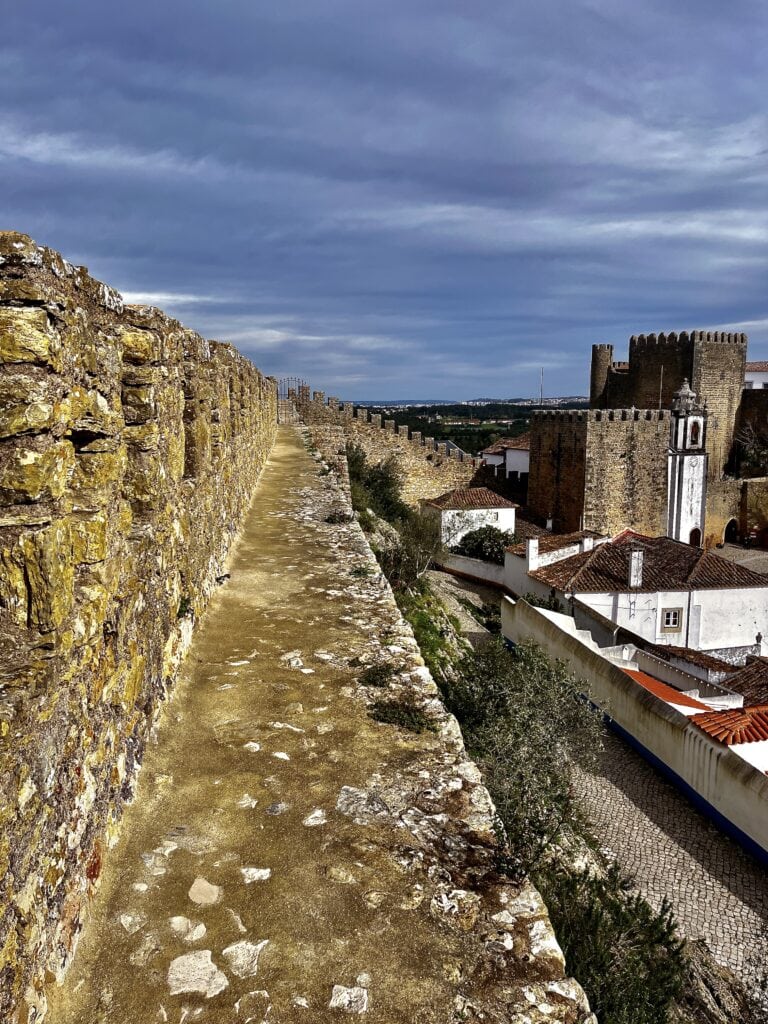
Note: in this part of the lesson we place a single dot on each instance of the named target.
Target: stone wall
(600, 470)
(513, 968)
(129, 450)
(427, 470)
(712, 361)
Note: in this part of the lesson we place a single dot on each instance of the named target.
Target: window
(494, 517)
(749, 384)
(670, 620)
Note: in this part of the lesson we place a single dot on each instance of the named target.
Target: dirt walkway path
(269, 868)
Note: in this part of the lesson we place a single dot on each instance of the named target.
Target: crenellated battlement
(599, 415)
(686, 337)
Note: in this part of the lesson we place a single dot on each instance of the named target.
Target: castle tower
(602, 357)
(687, 468)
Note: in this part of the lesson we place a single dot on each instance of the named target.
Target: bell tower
(687, 468)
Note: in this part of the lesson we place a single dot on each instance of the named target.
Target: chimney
(636, 567)
(587, 543)
(532, 553)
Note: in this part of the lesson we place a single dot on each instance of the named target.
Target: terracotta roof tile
(665, 692)
(525, 529)
(667, 565)
(736, 725)
(471, 498)
(553, 541)
(761, 366)
(751, 682)
(521, 443)
(667, 651)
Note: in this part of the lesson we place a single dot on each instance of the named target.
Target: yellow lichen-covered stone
(50, 574)
(139, 346)
(96, 477)
(89, 537)
(13, 588)
(32, 474)
(26, 336)
(176, 455)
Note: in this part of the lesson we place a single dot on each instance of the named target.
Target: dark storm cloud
(404, 198)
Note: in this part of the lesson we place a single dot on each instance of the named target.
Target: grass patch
(381, 674)
(402, 714)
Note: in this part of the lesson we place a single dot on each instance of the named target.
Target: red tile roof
(553, 541)
(471, 498)
(761, 366)
(751, 682)
(525, 529)
(667, 565)
(667, 651)
(666, 693)
(521, 443)
(736, 725)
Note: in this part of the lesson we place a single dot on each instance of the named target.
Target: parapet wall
(427, 468)
(129, 450)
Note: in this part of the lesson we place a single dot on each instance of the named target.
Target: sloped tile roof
(552, 541)
(521, 443)
(667, 651)
(667, 565)
(665, 692)
(471, 498)
(751, 682)
(761, 366)
(736, 725)
(525, 529)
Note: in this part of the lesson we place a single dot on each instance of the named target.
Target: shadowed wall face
(129, 449)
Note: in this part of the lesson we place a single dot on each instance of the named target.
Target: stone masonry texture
(129, 450)
(600, 470)
(289, 857)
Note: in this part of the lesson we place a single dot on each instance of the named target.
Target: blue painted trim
(706, 808)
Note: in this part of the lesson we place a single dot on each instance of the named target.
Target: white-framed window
(671, 619)
(749, 384)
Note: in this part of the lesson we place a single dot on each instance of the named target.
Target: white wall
(457, 522)
(735, 789)
(475, 569)
(756, 379)
(517, 460)
(686, 490)
(517, 580)
(709, 619)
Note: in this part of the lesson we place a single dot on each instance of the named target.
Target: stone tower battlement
(713, 362)
(683, 338)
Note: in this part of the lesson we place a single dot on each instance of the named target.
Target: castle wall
(723, 503)
(556, 483)
(129, 450)
(626, 471)
(600, 470)
(718, 378)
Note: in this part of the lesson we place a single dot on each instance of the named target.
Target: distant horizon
(401, 198)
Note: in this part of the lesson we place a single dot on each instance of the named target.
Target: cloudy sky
(408, 198)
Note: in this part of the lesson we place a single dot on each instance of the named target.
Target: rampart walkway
(286, 857)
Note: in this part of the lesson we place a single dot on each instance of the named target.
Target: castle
(657, 451)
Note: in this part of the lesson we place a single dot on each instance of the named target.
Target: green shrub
(551, 603)
(627, 956)
(403, 714)
(487, 543)
(380, 674)
(375, 487)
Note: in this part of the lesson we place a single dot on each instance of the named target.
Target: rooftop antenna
(541, 387)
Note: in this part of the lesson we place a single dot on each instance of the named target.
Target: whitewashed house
(510, 457)
(756, 375)
(467, 509)
(661, 590)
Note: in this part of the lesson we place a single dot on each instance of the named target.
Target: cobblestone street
(718, 892)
